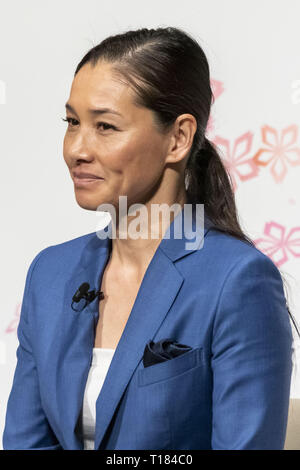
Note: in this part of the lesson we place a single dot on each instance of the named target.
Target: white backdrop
(253, 51)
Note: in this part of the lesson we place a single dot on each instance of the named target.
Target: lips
(86, 176)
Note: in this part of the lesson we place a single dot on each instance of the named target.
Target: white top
(100, 364)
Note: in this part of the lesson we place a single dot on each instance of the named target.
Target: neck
(132, 255)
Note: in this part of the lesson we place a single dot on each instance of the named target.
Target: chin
(89, 202)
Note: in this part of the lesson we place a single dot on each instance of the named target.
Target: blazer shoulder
(64, 255)
(228, 252)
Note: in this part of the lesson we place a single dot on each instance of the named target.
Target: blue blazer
(230, 391)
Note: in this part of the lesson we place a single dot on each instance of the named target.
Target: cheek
(142, 162)
(141, 171)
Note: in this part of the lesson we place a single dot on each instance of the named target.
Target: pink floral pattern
(237, 160)
(280, 152)
(217, 88)
(278, 244)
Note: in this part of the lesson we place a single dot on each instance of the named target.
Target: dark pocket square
(162, 350)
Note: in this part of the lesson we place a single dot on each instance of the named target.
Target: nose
(78, 148)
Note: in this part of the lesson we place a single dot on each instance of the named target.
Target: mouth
(86, 182)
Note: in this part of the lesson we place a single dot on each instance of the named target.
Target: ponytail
(209, 184)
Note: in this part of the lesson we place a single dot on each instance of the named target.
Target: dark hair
(169, 73)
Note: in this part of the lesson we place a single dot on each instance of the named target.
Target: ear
(181, 139)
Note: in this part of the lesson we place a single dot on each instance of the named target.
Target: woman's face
(124, 149)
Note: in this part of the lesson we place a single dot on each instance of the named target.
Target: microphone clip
(87, 296)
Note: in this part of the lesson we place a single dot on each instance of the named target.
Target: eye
(105, 124)
(108, 126)
(69, 120)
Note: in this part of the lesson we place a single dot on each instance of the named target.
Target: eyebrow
(94, 111)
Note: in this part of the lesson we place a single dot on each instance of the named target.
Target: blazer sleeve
(26, 426)
(251, 358)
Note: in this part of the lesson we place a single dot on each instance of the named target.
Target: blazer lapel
(155, 297)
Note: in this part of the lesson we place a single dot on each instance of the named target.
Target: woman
(191, 348)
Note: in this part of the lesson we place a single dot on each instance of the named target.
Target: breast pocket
(170, 368)
(167, 398)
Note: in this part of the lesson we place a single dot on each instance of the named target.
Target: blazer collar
(184, 236)
(76, 339)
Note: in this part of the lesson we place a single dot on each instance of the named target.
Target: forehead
(99, 86)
